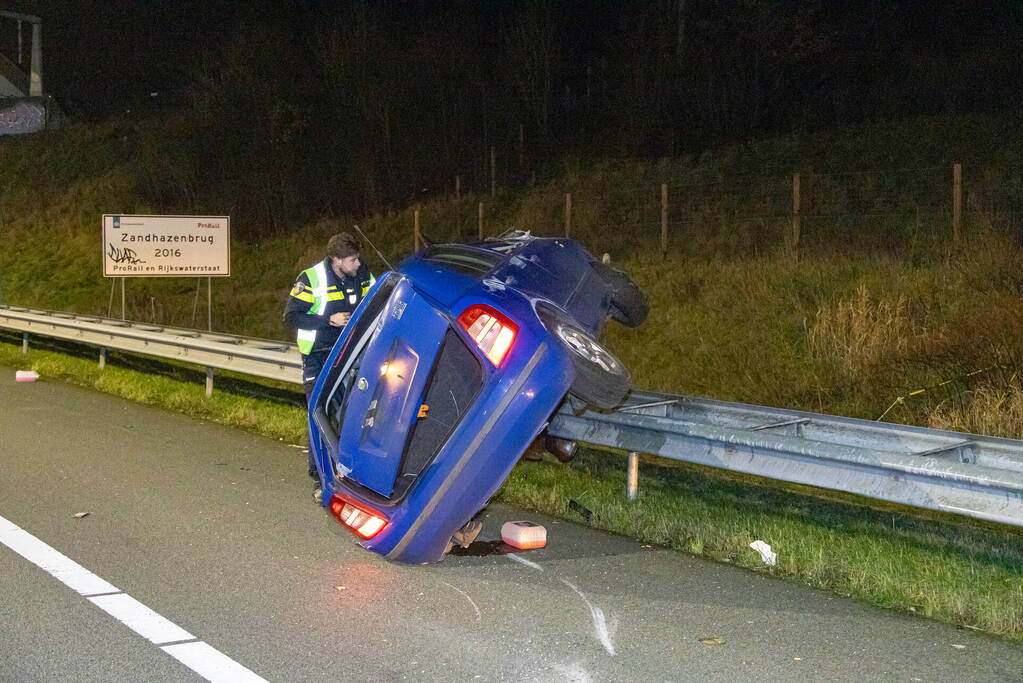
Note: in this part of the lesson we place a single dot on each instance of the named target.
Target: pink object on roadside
(524, 535)
(26, 376)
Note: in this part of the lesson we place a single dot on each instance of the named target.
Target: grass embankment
(875, 309)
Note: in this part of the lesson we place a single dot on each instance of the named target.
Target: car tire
(601, 380)
(629, 305)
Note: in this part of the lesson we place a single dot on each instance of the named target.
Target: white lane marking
(600, 627)
(522, 560)
(203, 659)
(210, 663)
(479, 617)
(63, 568)
(141, 619)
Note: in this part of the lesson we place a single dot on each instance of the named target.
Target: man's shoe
(468, 533)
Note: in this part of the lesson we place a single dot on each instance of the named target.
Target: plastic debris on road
(26, 376)
(524, 535)
(769, 557)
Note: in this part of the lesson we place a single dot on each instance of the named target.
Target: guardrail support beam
(24, 342)
(209, 381)
(633, 485)
(102, 357)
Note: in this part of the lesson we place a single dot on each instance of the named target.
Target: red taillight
(491, 331)
(363, 521)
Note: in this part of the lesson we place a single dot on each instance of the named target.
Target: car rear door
(384, 400)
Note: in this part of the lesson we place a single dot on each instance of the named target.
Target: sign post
(167, 246)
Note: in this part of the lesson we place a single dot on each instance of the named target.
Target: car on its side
(448, 370)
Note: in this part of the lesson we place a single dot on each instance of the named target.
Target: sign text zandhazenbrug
(166, 246)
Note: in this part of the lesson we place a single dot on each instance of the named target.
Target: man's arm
(300, 300)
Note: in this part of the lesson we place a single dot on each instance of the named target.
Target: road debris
(576, 507)
(26, 376)
(713, 640)
(524, 535)
(80, 515)
(768, 556)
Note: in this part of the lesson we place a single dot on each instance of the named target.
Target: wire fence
(909, 212)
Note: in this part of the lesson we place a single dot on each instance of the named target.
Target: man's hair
(343, 245)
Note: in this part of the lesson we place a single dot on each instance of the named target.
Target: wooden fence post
(568, 214)
(415, 230)
(664, 220)
(480, 220)
(957, 204)
(522, 148)
(796, 200)
(493, 171)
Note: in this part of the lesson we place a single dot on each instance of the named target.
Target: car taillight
(364, 522)
(491, 331)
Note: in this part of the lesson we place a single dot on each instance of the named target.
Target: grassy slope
(843, 333)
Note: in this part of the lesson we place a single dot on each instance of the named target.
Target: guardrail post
(102, 357)
(209, 382)
(24, 342)
(633, 485)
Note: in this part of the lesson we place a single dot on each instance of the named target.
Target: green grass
(954, 570)
(269, 419)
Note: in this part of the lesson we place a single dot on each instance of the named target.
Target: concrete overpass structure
(23, 107)
(15, 80)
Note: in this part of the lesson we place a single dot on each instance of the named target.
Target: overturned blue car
(447, 372)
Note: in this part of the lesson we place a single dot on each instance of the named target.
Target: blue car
(448, 371)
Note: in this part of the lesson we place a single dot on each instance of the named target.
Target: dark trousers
(311, 366)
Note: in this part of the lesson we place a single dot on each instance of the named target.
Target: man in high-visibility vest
(321, 304)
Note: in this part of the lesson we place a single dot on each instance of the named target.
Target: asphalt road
(214, 530)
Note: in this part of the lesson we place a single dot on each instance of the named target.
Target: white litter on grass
(601, 629)
(26, 376)
(769, 557)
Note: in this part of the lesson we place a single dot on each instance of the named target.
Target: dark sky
(100, 53)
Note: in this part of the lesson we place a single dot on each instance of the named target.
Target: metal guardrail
(265, 358)
(965, 474)
(952, 472)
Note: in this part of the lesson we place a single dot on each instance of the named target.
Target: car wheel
(600, 379)
(628, 303)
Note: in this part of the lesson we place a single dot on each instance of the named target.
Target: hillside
(880, 303)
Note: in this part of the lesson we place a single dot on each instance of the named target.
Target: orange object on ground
(524, 535)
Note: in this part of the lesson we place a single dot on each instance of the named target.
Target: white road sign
(166, 246)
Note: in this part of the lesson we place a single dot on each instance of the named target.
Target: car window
(343, 372)
(463, 259)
